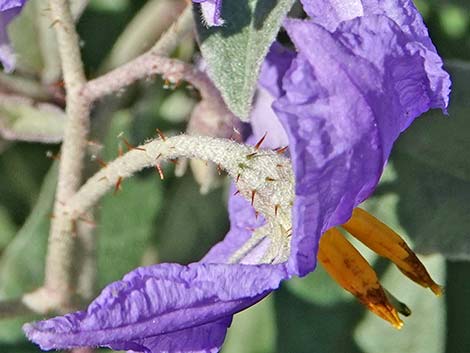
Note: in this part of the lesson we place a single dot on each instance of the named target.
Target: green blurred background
(424, 194)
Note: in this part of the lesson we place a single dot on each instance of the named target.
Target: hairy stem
(59, 260)
(250, 167)
(154, 61)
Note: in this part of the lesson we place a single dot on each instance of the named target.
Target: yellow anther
(347, 267)
(385, 242)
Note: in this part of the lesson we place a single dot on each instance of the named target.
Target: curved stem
(154, 61)
(265, 172)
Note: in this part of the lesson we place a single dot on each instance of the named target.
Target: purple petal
(330, 13)
(274, 67)
(242, 222)
(202, 339)
(9, 9)
(349, 94)
(159, 300)
(211, 12)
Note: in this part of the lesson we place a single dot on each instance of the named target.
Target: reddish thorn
(219, 169)
(276, 209)
(120, 152)
(250, 229)
(51, 216)
(117, 187)
(132, 147)
(270, 179)
(251, 155)
(59, 84)
(102, 163)
(160, 133)
(260, 142)
(159, 155)
(256, 214)
(174, 161)
(253, 193)
(238, 177)
(159, 170)
(236, 192)
(279, 165)
(281, 150)
(87, 221)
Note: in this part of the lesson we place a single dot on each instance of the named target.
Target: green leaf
(433, 176)
(190, 223)
(25, 39)
(440, 142)
(7, 228)
(23, 119)
(22, 263)
(306, 326)
(253, 330)
(126, 225)
(126, 217)
(424, 330)
(234, 52)
(318, 288)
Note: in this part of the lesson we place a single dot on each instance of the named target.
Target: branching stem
(154, 61)
(58, 272)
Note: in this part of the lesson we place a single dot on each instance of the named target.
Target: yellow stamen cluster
(349, 268)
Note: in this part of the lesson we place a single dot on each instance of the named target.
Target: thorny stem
(58, 273)
(146, 66)
(231, 156)
(154, 61)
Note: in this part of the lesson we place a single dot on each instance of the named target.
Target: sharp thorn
(281, 150)
(251, 155)
(102, 163)
(160, 133)
(117, 187)
(253, 193)
(159, 170)
(131, 147)
(276, 209)
(260, 142)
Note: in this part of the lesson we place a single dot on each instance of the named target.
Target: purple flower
(9, 9)
(352, 88)
(362, 74)
(171, 307)
(211, 12)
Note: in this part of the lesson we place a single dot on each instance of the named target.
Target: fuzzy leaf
(22, 119)
(234, 52)
(433, 175)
